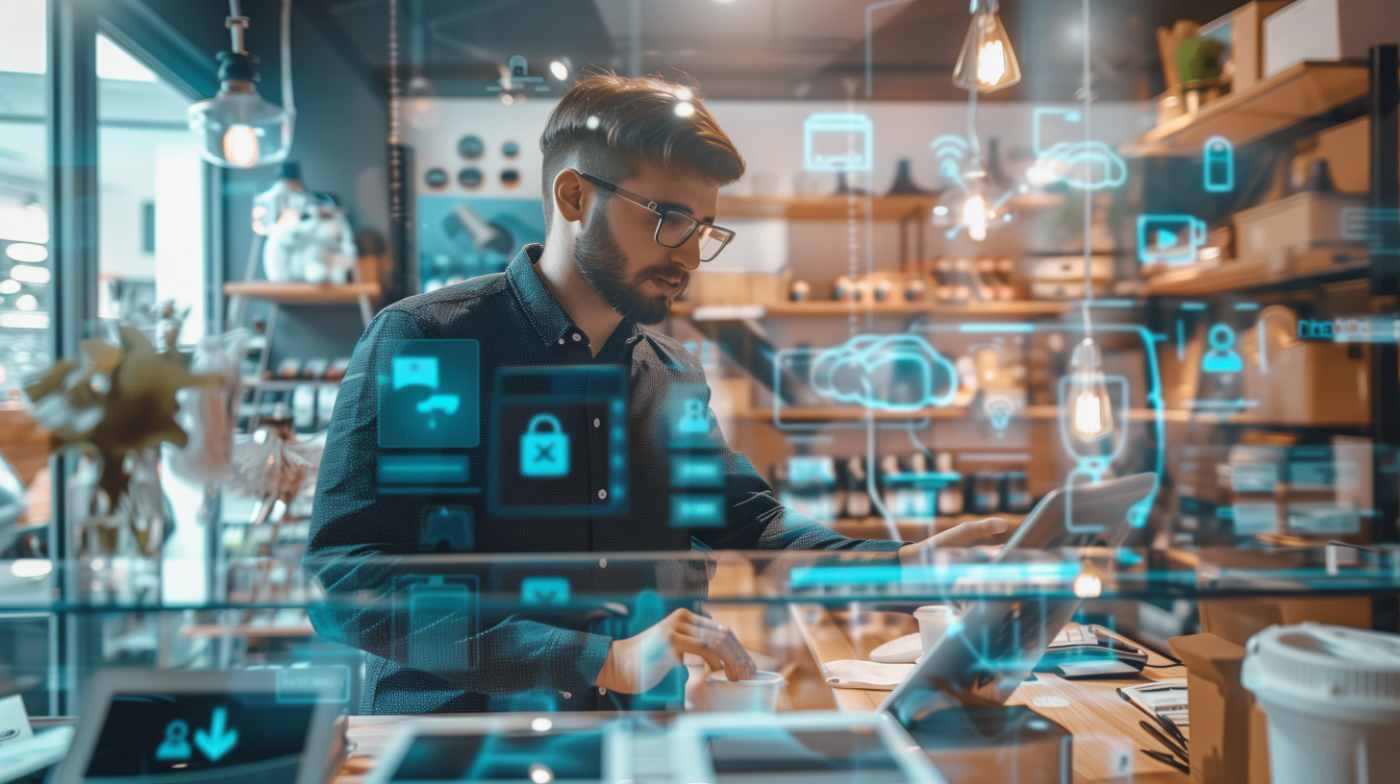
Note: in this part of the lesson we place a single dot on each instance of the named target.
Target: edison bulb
(1091, 412)
(975, 216)
(991, 63)
(241, 147)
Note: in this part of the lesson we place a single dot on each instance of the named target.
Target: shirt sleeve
(757, 520)
(357, 533)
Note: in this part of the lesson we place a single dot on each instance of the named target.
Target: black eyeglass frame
(661, 213)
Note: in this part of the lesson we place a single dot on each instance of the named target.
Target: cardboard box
(1242, 31)
(1229, 733)
(1278, 231)
(1327, 30)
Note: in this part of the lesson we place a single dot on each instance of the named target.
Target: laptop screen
(212, 737)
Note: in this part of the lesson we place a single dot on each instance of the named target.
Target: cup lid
(1333, 663)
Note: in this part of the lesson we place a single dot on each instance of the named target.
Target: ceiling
(767, 49)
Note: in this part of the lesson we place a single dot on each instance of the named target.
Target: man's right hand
(637, 664)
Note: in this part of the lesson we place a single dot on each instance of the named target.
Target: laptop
(999, 642)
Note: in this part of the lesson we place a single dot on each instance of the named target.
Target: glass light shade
(1090, 406)
(240, 130)
(987, 62)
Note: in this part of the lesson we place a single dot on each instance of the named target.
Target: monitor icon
(838, 142)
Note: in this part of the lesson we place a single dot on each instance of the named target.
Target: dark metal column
(1385, 281)
(72, 207)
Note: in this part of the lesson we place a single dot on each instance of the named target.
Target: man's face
(618, 254)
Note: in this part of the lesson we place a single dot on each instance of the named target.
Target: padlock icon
(694, 420)
(519, 66)
(544, 452)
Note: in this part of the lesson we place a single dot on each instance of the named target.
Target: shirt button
(561, 341)
(597, 423)
(568, 695)
(602, 691)
(577, 337)
(602, 495)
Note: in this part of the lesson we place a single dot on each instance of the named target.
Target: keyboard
(1074, 634)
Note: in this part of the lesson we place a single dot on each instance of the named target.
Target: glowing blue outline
(1197, 238)
(856, 122)
(617, 503)
(1152, 395)
(1229, 157)
(856, 349)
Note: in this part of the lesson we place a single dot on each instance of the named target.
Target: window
(151, 194)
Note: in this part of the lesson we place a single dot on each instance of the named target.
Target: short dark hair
(607, 123)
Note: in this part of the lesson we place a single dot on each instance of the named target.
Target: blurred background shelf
(1008, 309)
(1329, 92)
(302, 293)
(1238, 276)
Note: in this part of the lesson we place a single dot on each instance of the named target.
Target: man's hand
(636, 664)
(967, 534)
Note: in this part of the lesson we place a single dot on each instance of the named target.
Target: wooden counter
(1103, 724)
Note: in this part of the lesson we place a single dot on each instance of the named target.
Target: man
(632, 170)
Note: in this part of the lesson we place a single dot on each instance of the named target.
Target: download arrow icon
(219, 739)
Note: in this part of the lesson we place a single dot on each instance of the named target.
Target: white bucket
(1332, 697)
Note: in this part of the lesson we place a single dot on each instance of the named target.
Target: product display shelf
(822, 309)
(1331, 92)
(840, 207)
(1241, 276)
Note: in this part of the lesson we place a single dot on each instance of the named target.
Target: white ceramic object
(901, 650)
(934, 620)
(758, 694)
(1332, 698)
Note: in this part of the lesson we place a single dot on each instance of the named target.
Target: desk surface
(1102, 723)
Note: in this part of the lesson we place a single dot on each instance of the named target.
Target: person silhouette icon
(176, 745)
(1221, 357)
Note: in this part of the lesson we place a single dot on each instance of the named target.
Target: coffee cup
(758, 694)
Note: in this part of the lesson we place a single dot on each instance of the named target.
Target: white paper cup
(758, 694)
(934, 620)
(1332, 698)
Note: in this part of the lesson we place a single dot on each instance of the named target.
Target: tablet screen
(515, 756)
(201, 737)
(855, 754)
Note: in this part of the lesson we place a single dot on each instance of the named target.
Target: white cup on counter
(758, 694)
(934, 621)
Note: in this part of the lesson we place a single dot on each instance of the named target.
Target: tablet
(515, 748)
(811, 747)
(1084, 515)
(192, 726)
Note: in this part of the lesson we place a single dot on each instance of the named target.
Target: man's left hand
(973, 532)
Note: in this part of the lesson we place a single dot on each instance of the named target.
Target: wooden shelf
(1233, 277)
(1308, 89)
(836, 208)
(883, 208)
(1008, 309)
(302, 293)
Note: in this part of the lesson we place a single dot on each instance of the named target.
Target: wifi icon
(950, 150)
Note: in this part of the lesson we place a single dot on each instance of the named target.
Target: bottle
(1018, 492)
(857, 492)
(950, 495)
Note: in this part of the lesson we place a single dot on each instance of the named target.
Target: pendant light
(987, 62)
(1090, 407)
(237, 128)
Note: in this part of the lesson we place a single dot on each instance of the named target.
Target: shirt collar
(551, 323)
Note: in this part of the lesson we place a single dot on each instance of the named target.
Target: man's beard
(603, 264)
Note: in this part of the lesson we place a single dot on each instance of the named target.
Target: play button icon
(1166, 239)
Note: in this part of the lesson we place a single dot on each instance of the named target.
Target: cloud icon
(885, 372)
(1086, 165)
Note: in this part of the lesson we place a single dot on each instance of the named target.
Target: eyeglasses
(674, 228)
